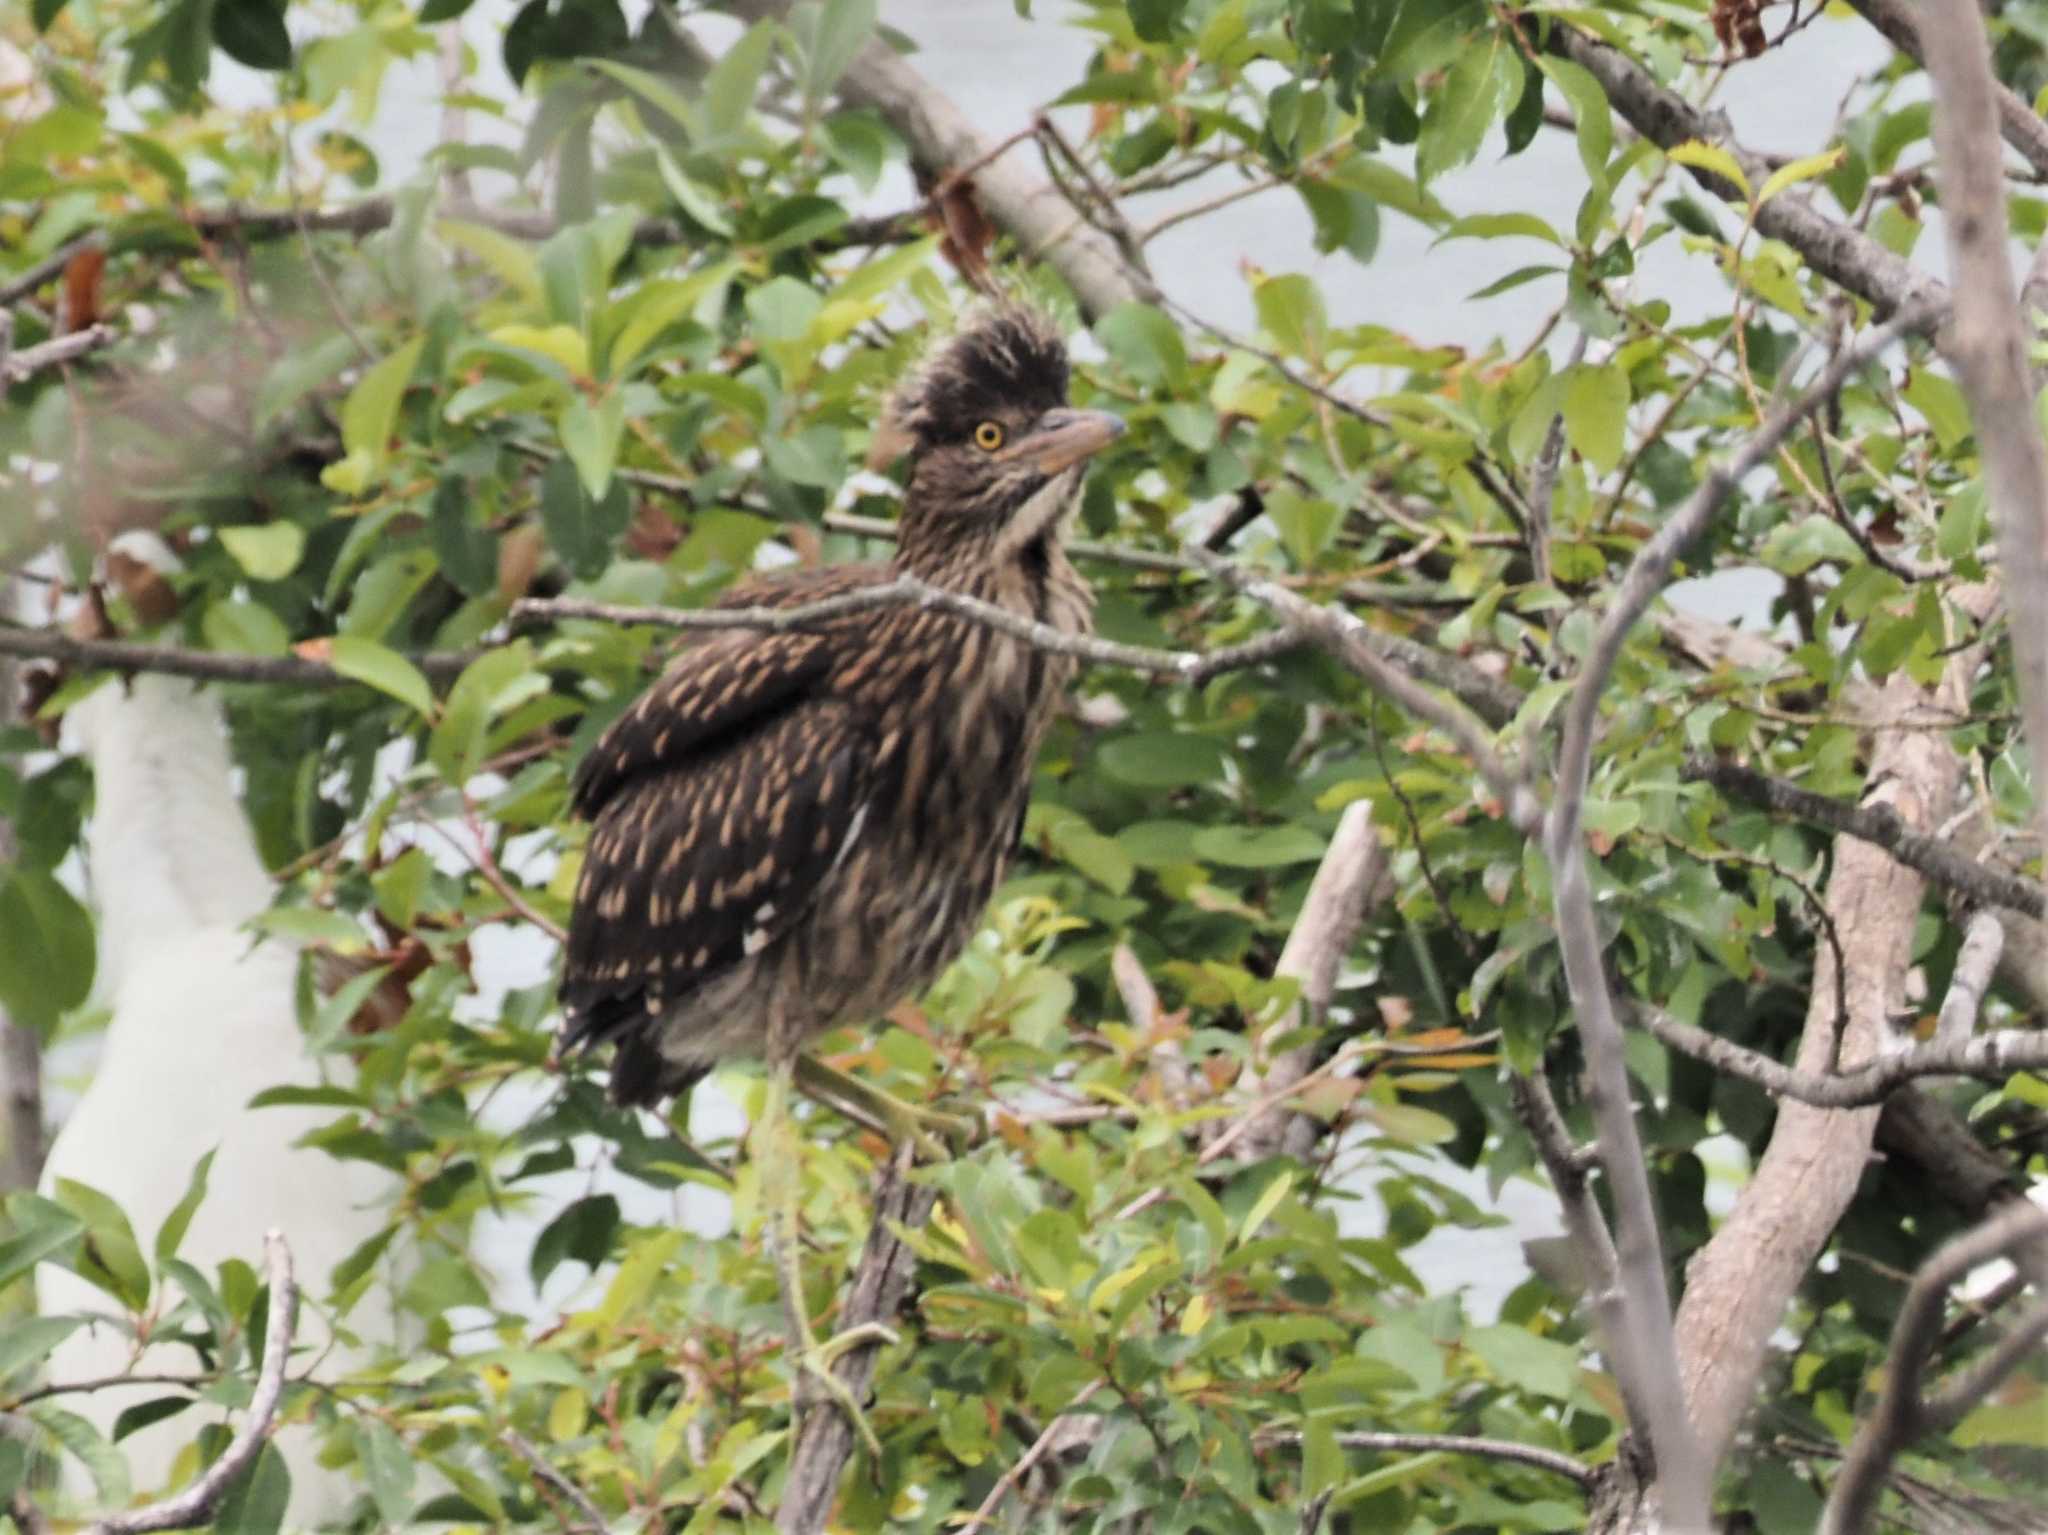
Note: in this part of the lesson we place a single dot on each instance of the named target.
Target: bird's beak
(1062, 438)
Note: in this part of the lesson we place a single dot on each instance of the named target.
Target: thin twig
(1186, 665)
(1040, 1447)
(1881, 826)
(30, 361)
(1904, 1413)
(1557, 1461)
(594, 1522)
(1992, 1057)
(196, 1504)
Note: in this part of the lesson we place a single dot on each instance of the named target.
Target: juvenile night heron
(794, 831)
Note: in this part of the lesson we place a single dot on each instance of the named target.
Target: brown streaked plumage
(808, 826)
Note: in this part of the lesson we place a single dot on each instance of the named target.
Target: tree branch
(198, 1503)
(1555, 1461)
(1646, 1349)
(881, 1280)
(205, 665)
(1834, 249)
(1185, 665)
(1347, 637)
(2020, 125)
(1990, 1056)
(1880, 826)
(1902, 1416)
(594, 1522)
(1987, 343)
(26, 364)
(1330, 916)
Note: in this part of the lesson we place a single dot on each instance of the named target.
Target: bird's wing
(690, 870)
(717, 690)
(721, 800)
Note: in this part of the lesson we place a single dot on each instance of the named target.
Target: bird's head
(996, 452)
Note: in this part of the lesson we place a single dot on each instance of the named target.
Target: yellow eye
(988, 436)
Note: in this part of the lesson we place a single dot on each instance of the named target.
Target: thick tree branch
(197, 1504)
(943, 140)
(1330, 915)
(881, 1280)
(1880, 826)
(1834, 249)
(1903, 1414)
(2018, 122)
(1992, 1057)
(1987, 343)
(1646, 1351)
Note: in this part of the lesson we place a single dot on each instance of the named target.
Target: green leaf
(579, 529)
(256, 1500)
(1712, 157)
(43, 12)
(46, 949)
(384, 669)
(1146, 344)
(1258, 847)
(43, 1228)
(1806, 168)
(28, 1340)
(172, 1232)
(252, 32)
(1596, 400)
(1594, 117)
(442, 10)
(1938, 399)
(842, 29)
(1346, 218)
(466, 550)
(1291, 309)
(268, 551)
(1162, 760)
(110, 1257)
(1464, 107)
(1528, 1363)
(730, 87)
(388, 1468)
(108, 1468)
(590, 436)
(783, 309)
(370, 413)
(493, 682)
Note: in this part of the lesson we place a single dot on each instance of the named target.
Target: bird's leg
(779, 1155)
(936, 1135)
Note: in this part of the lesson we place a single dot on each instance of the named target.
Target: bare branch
(825, 1440)
(1329, 919)
(942, 139)
(1347, 637)
(1053, 1433)
(30, 361)
(1987, 344)
(1992, 1057)
(1976, 963)
(205, 665)
(1556, 1461)
(594, 1522)
(198, 1503)
(1880, 826)
(1902, 1415)
(1834, 249)
(1186, 665)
